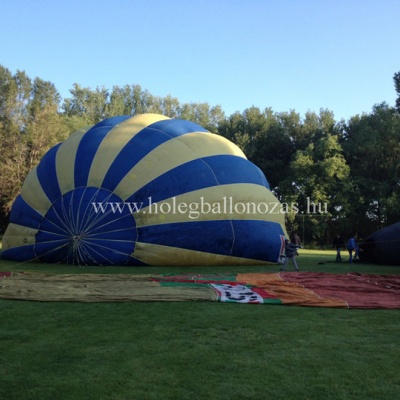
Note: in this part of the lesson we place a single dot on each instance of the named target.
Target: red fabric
(358, 290)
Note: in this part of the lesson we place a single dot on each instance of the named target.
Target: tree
(372, 148)
(15, 91)
(273, 148)
(29, 125)
(86, 105)
(204, 115)
(265, 140)
(45, 127)
(396, 79)
(318, 174)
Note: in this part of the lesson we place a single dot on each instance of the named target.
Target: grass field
(196, 351)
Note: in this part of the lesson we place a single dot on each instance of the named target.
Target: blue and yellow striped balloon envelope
(145, 190)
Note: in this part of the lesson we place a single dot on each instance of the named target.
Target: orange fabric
(289, 292)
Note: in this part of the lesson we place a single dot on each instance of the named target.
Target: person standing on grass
(339, 244)
(352, 246)
(290, 254)
(295, 240)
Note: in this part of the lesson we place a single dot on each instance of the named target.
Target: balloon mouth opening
(73, 232)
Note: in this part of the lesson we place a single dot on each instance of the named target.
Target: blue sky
(285, 54)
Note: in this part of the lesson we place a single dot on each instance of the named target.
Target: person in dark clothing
(338, 243)
(290, 254)
(295, 239)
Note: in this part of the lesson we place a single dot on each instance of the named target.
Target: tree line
(343, 176)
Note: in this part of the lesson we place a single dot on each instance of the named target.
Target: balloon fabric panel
(47, 174)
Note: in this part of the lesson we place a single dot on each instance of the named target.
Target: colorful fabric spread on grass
(350, 290)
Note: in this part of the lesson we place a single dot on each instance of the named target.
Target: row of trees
(343, 176)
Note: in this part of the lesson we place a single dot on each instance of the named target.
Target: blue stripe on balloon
(143, 143)
(190, 176)
(20, 253)
(208, 236)
(138, 147)
(177, 127)
(200, 174)
(230, 169)
(113, 121)
(23, 214)
(258, 240)
(47, 174)
(52, 251)
(132, 261)
(88, 146)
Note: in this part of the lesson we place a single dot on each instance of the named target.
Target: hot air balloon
(145, 190)
(382, 246)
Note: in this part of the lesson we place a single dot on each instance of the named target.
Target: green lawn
(196, 351)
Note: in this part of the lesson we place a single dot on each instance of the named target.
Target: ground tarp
(350, 290)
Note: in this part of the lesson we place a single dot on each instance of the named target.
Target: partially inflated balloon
(382, 247)
(145, 190)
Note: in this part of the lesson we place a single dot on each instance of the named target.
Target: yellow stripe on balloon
(114, 142)
(184, 148)
(18, 235)
(239, 201)
(154, 254)
(33, 193)
(65, 161)
(80, 131)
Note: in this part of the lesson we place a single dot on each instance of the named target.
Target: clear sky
(285, 54)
